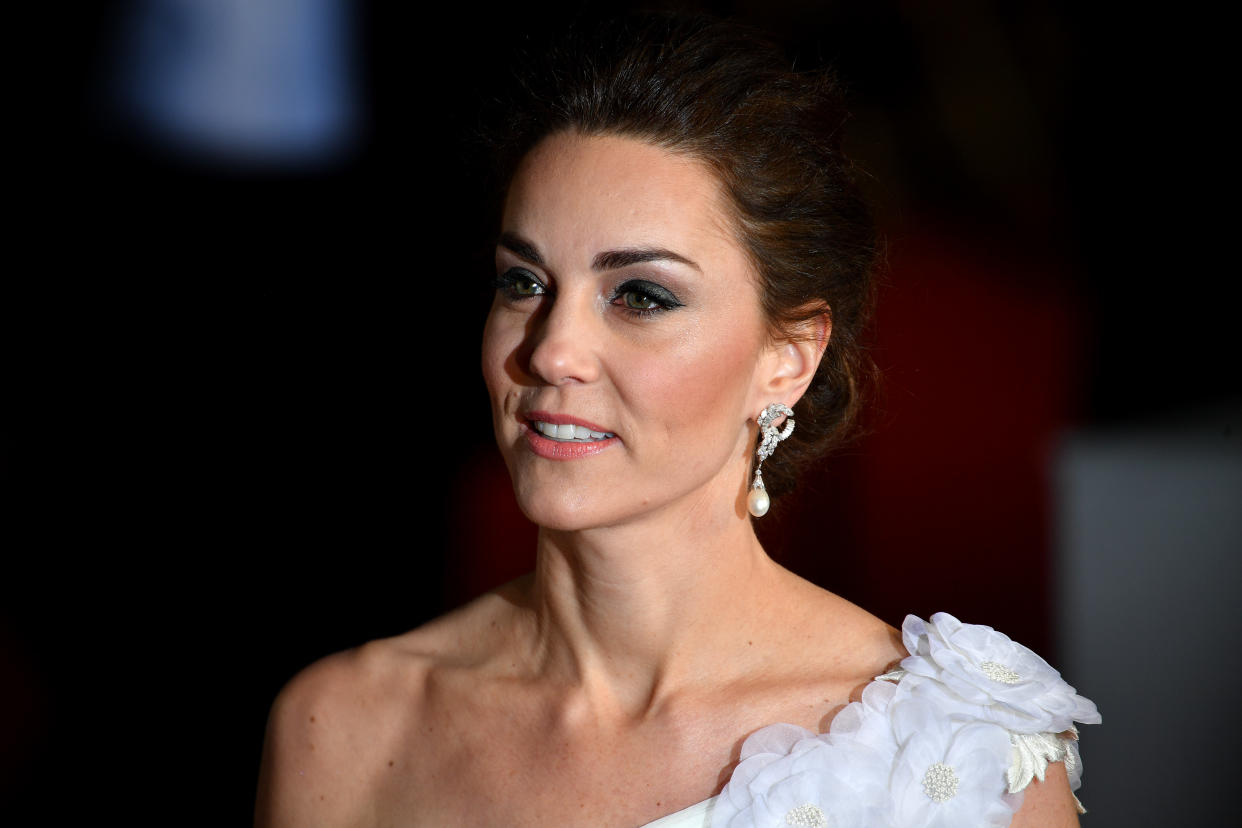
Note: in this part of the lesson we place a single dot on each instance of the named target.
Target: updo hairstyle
(722, 94)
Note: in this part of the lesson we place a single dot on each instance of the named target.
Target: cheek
(700, 386)
(498, 348)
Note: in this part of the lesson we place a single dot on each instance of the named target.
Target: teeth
(566, 432)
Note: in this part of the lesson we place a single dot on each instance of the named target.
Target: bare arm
(1048, 804)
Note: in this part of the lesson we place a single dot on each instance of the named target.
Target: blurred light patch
(243, 81)
(1150, 527)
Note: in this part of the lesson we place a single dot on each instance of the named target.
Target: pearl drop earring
(757, 502)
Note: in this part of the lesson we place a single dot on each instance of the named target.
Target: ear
(790, 361)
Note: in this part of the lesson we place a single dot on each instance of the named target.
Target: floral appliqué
(951, 740)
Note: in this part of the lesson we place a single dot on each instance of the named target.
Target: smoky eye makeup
(644, 297)
(519, 283)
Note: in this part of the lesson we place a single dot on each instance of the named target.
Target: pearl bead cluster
(999, 672)
(807, 815)
(940, 783)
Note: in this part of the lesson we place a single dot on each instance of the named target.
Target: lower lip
(557, 450)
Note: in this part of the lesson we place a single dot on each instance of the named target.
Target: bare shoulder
(856, 642)
(817, 653)
(340, 728)
(326, 733)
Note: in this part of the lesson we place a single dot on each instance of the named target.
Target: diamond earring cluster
(758, 502)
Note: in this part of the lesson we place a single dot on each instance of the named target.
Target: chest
(513, 758)
(539, 774)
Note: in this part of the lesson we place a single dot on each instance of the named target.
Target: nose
(564, 341)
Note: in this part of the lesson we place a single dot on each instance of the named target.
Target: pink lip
(556, 450)
(561, 419)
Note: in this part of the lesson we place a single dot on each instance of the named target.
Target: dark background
(246, 426)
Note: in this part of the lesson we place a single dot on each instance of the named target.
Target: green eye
(519, 284)
(642, 298)
(526, 286)
(637, 300)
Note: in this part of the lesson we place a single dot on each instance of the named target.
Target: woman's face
(625, 348)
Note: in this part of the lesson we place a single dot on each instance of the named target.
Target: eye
(644, 298)
(638, 300)
(517, 283)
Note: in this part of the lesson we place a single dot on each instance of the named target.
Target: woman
(683, 261)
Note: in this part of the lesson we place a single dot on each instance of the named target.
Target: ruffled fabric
(992, 678)
(949, 741)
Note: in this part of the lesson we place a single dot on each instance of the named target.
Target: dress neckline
(968, 700)
(703, 809)
(698, 811)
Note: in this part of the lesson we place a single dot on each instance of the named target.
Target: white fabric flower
(816, 784)
(761, 749)
(949, 741)
(991, 677)
(947, 775)
(867, 722)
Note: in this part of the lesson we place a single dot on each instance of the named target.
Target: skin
(613, 685)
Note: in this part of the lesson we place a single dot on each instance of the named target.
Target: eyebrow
(521, 247)
(608, 260)
(615, 259)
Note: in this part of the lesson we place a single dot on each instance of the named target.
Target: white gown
(951, 740)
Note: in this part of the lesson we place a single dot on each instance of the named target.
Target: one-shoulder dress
(949, 740)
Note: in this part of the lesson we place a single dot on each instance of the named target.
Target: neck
(636, 611)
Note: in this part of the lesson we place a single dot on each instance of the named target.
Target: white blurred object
(261, 80)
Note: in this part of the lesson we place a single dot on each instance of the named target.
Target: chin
(564, 511)
(567, 497)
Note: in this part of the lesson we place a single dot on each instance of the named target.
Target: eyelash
(664, 300)
(508, 281)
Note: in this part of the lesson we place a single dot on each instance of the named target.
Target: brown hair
(724, 95)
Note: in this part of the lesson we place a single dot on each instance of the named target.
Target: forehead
(599, 191)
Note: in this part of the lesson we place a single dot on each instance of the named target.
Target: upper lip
(564, 419)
